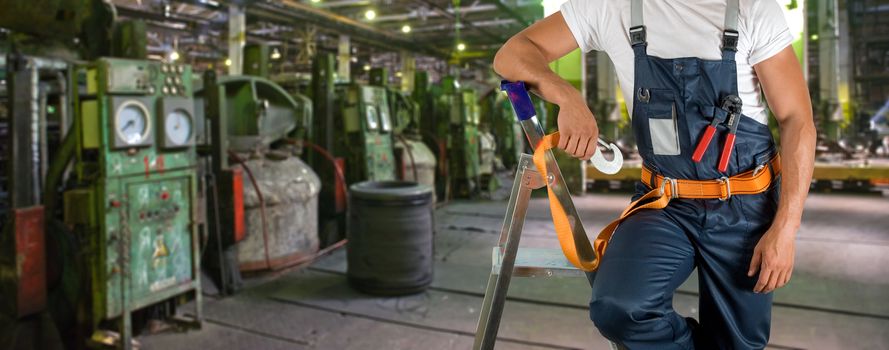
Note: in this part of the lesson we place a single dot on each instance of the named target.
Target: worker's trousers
(655, 251)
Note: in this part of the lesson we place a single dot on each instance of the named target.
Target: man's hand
(773, 258)
(578, 131)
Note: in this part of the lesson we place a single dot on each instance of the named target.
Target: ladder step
(538, 262)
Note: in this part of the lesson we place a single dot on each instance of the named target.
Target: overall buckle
(730, 39)
(637, 35)
(674, 187)
(728, 188)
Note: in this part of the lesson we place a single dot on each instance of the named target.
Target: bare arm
(526, 57)
(788, 98)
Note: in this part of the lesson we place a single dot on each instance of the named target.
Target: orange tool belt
(751, 182)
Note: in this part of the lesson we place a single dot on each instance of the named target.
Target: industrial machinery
(135, 202)
(265, 198)
(35, 95)
(455, 123)
(496, 111)
(367, 124)
(414, 161)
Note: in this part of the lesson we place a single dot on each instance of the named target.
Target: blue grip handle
(520, 99)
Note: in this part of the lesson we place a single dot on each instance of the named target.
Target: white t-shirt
(687, 28)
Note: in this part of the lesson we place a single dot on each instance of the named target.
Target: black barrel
(390, 237)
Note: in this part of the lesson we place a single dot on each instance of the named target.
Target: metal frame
(508, 260)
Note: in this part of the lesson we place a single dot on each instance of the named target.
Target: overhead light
(398, 74)
(366, 67)
(228, 62)
(276, 54)
(315, 1)
(405, 29)
(370, 15)
(173, 56)
(814, 37)
(461, 47)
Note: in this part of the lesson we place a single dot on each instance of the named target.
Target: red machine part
(30, 254)
(340, 195)
(239, 230)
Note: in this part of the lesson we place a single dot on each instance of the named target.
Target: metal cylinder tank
(390, 232)
(290, 192)
(416, 162)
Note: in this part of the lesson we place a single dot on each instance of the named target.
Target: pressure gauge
(178, 127)
(371, 117)
(132, 123)
(178, 119)
(384, 119)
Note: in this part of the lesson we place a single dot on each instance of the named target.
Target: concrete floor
(838, 298)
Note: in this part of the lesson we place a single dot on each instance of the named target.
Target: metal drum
(390, 232)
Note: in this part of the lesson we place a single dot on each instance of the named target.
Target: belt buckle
(674, 187)
(758, 169)
(728, 188)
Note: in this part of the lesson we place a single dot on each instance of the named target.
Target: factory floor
(838, 298)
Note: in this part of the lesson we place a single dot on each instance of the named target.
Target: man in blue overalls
(695, 72)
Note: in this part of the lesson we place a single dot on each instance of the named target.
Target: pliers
(732, 105)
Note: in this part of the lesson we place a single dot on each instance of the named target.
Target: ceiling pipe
(445, 12)
(415, 14)
(293, 12)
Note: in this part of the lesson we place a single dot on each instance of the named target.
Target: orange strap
(750, 182)
(560, 218)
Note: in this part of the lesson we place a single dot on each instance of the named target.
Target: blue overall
(654, 251)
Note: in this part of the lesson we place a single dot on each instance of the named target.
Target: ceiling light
(405, 29)
(366, 67)
(173, 56)
(228, 62)
(461, 47)
(398, 74)
(276, 54)
(370, 15)
(315, 1)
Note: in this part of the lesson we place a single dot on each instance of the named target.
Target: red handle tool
(733, 120)
(731, 105)
(726, 152)
(704, 143)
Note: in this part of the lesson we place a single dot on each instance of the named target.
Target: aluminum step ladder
(507, 259)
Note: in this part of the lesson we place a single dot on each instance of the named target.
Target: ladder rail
(526, 180)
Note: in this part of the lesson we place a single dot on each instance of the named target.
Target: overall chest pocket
(662, 121)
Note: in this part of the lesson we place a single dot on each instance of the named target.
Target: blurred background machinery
(154, 151)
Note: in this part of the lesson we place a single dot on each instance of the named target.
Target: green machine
(352, 123)
(456, 122)
(136, 164)
(497, 113)
(414, 160)
(367, 123)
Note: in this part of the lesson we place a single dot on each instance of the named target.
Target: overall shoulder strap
(730, 30)
(638, 38)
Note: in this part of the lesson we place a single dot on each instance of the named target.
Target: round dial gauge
(132, 123)
(372, 117)
(177, 127)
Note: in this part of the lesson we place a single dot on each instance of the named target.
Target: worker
(686, 67)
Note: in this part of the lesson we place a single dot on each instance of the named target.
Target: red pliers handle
(729, 145)
(732, 106)
(704, 143)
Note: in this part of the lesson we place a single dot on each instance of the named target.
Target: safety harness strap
(751, 182)
(567, 240)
